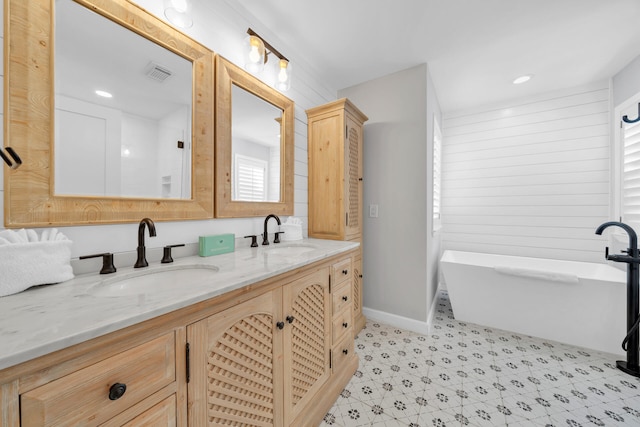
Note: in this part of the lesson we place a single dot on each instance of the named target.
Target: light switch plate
(373, 211)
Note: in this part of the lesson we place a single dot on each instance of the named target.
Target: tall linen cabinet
(335, 144)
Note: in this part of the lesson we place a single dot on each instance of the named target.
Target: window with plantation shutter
(250, 176)
(631, 173)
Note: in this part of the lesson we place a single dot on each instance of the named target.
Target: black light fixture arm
(270, 48)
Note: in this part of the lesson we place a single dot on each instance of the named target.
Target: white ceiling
(474, 48)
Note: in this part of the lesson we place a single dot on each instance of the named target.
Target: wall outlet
(373, 211)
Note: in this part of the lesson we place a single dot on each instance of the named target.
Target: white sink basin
(153, 281)
(290, 249)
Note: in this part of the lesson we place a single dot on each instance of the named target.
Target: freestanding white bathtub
(576, 303)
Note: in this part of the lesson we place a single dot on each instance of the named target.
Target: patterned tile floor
(469, 375)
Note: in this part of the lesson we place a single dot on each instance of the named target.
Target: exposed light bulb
(254, 54)
(283, 76)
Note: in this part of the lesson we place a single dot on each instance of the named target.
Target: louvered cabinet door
(235, 366)
(307, 335)
(353, 179)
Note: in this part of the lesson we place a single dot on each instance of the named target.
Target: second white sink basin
(150, 281)
(289, 250)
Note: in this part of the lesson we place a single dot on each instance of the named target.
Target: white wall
(221, 26)
(529, 177)
(397, 177)
(626, 82)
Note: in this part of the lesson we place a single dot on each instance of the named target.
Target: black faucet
(142, 260)
(265, 235)
(632, 258)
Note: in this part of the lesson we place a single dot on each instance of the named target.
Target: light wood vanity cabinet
(335, 144)
(274, 353)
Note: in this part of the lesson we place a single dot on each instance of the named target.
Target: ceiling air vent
(157, 72)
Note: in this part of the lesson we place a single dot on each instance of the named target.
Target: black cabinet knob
(117, 391)
(345, 325)
(290, 319)
(345, 351)
(280, 325)
(345, 272)
(345, 298)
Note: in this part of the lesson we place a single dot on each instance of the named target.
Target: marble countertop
(44, 319)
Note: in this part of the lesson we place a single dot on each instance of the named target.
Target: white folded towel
(551, 276)
(26, 260)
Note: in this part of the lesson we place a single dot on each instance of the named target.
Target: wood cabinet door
(236, 365)
(326, 176)
(353, 178)
(307, 335)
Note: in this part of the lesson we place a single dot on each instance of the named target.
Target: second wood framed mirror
(254, 146)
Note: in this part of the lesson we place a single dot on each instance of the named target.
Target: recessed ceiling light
(522, 79)
(104, 94)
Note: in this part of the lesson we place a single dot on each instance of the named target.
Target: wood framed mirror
(254, 146)
(30, 118)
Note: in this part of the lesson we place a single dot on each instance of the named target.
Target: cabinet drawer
(83, 397)
(341, 297)
(162, 414)
(342, 352)
(341, 271)
(342, 324)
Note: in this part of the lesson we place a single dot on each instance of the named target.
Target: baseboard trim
(395, 320)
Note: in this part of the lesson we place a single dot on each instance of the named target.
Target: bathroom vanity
(260, 336)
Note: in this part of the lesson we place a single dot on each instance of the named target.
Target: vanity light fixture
(178, 12)
(522, 79)
(256, 55)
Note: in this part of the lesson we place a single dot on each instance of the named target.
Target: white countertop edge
(24, 336)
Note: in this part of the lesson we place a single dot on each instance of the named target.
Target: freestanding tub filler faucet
(265, 235)
(142, 259)
(632, 340)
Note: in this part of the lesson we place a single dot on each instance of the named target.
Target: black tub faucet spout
(632, 339)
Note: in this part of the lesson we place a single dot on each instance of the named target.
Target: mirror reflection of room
(256, 147)
(122, 111)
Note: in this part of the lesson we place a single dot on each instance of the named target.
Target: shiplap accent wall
(529, 178)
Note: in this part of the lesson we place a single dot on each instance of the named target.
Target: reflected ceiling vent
(157, 72)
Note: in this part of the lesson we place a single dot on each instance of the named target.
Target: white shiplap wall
(529, 178)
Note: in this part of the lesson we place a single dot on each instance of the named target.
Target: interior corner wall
(433, 236)
(626, 82)
(395, 179)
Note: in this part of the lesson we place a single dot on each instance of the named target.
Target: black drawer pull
(117, 391)
(290, 319)
(345, 272)
(345, 298)
(345, 351)
(345, 325)
(280, 325)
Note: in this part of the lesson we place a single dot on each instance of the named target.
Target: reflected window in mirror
(255, 147)
(122, 110)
